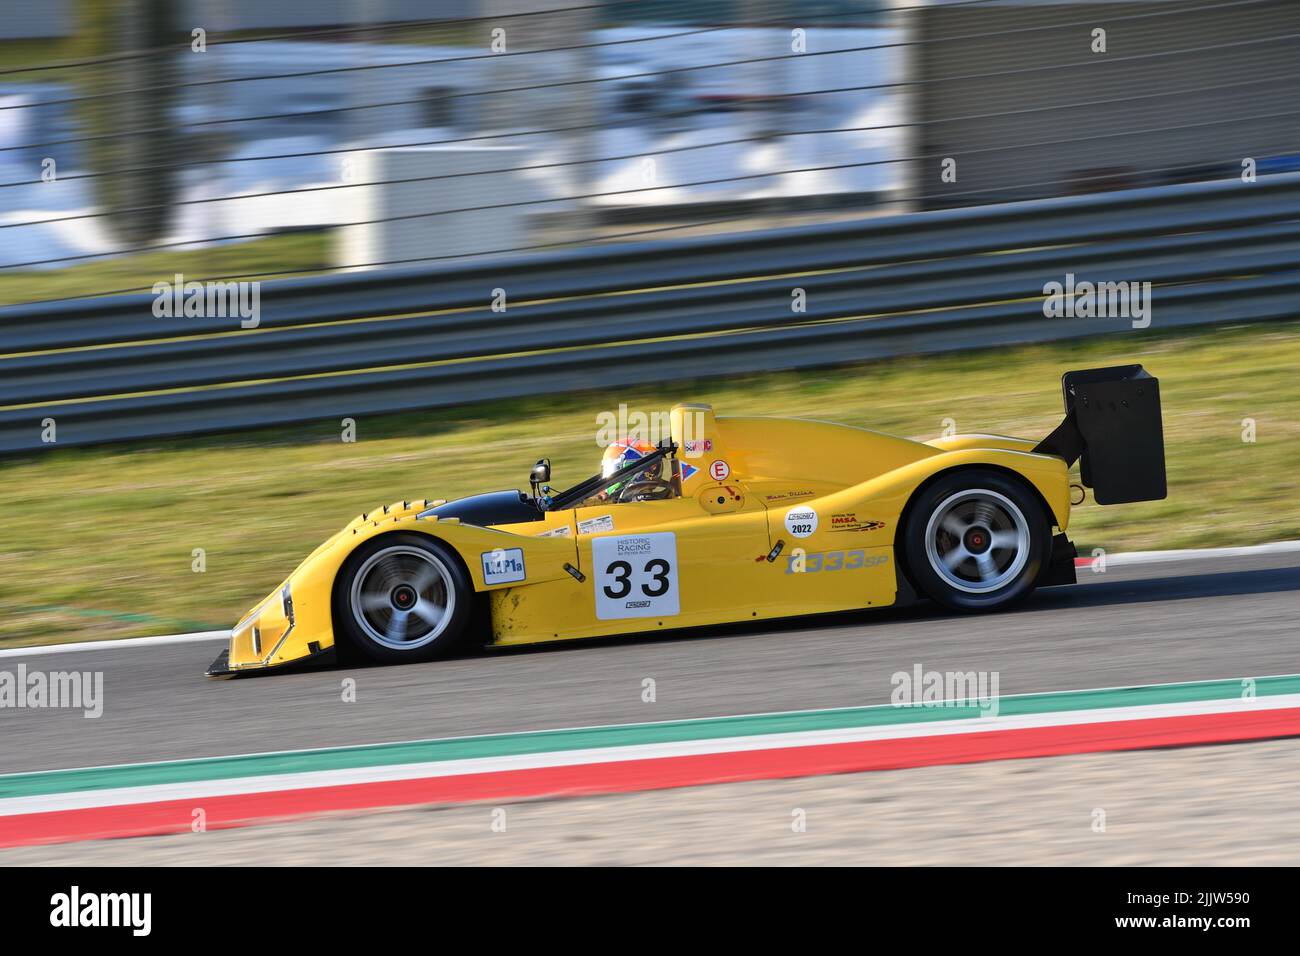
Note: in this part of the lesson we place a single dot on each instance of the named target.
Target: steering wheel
(648, 489)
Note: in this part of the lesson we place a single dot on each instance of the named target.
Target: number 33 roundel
(636, 575)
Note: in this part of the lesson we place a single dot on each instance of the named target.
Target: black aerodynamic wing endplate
(1113, 427)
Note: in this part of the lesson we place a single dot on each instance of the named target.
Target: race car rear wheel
(402, 598)
(977, 540)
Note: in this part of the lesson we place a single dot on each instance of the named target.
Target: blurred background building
(396, 131)
(1183, 91)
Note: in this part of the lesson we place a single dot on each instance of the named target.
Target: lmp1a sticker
(503, 566)
(563, 531)
(635, 576)
(800, 521)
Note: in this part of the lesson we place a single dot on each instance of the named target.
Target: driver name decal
(636, 576)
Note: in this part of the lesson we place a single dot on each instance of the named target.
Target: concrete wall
(21, 20)
(1088, 143)
(420, 235)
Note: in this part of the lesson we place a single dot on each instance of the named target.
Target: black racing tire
(977, 540)
(402, 598)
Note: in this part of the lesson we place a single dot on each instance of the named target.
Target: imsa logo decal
(849, 521)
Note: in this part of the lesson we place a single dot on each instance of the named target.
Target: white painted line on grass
(1195, 554)
(113, 645)
(1130, 557)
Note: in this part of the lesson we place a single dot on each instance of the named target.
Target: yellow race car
(722, 520)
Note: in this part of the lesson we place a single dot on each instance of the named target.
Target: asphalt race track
(1192, 619)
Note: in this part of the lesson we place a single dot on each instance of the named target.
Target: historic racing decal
(635, 575)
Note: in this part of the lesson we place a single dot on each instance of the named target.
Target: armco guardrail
(364, 343)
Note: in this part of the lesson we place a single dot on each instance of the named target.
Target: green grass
(275, 255)
(37, 51)
(44, 51)
(98, 542)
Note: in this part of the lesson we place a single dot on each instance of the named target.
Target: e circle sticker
(801, 522)
(719, 470)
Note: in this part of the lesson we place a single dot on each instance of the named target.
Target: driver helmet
(623, 452)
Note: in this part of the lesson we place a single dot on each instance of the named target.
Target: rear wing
(1112, 428)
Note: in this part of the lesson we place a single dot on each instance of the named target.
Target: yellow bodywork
(742, 478)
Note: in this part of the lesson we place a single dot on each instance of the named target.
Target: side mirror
(541, 474)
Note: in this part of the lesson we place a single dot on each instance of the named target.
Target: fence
(368, 343)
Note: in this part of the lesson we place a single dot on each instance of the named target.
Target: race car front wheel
(402, 598)
(976, 540)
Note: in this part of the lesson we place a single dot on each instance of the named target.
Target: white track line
(1131, 557)
(308, 779)
(1197, 554)
(113, 645)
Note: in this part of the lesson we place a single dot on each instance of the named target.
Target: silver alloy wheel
(403, 597)
(977, 541)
